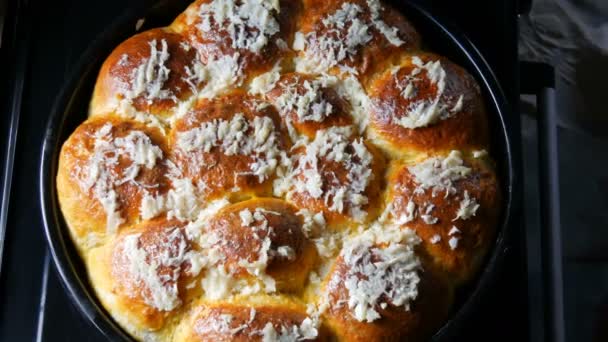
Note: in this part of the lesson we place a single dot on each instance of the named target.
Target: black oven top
(41, 42)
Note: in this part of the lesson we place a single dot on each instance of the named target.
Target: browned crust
(467, 128)
(476, 233)
(220, 172)
(82, 210)
(335, 173)
(116, 75)
(340, 107)
(130, 292)
(373, 64)
(375, 54)
(216, 44)
(205, 320)
(425, 315)
(244, 242)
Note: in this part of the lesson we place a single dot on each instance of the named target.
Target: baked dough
(280, 170)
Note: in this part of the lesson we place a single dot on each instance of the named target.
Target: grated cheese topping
(439, 174)
(390, 33)
(409, 215)
(453, 242)
(308, 103)
(380, 276)
(351, 89)
(480, 154)
(217, 75)
(100, 175)
(149, 79)
(258, 222)
(220, 282)
(422, 112)
(325, 51)
(342, 41)
(161, 290)
(307, 330)
(265, 82)
(151, 206)
(426, 215)
(150, 76)
(224, 324)
(468, 208)
(326, 242)
(333, 145)
(248, 23)
(313, 222)
(180, 202)
(238, 136)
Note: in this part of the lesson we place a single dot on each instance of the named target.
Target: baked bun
(338, 175)
(150, 73)
(106, 168)
(426, 104)
(231, 144)
(254, 322)
(360, 36)
(253, 35)
(378, 289)
(274, 170)
(452, 202)
(309, 104)
(146, 273)
(263, 233)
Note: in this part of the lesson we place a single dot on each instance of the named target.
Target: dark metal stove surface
(42, 40)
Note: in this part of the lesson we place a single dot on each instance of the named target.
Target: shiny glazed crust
(275, 170)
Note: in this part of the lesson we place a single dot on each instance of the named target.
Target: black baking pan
(71, 108)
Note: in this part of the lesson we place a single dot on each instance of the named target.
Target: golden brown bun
(80, 177)
(334, 176)
(370, 53)
(227, 173)
(398, 323)
(462, 124)
(240, 240)
(280, 170)
(215, 41)
(233, 322)
(121, 273)
(293, 96)
(118, 78)
(475, 233)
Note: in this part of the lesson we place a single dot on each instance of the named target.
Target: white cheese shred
(99, 175)
(248, 23)
(150, 76)
(257, 139)
(333, 145)
(381, 276)
(468, 208)
(160, 290)
(439, 174)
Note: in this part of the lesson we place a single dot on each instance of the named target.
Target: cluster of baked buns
(280, 170)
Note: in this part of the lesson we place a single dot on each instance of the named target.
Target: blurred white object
(573, 37)
(556, 30)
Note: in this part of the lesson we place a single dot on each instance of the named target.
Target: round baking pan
(71, 108)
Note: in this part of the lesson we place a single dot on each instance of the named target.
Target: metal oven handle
(539, 79)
